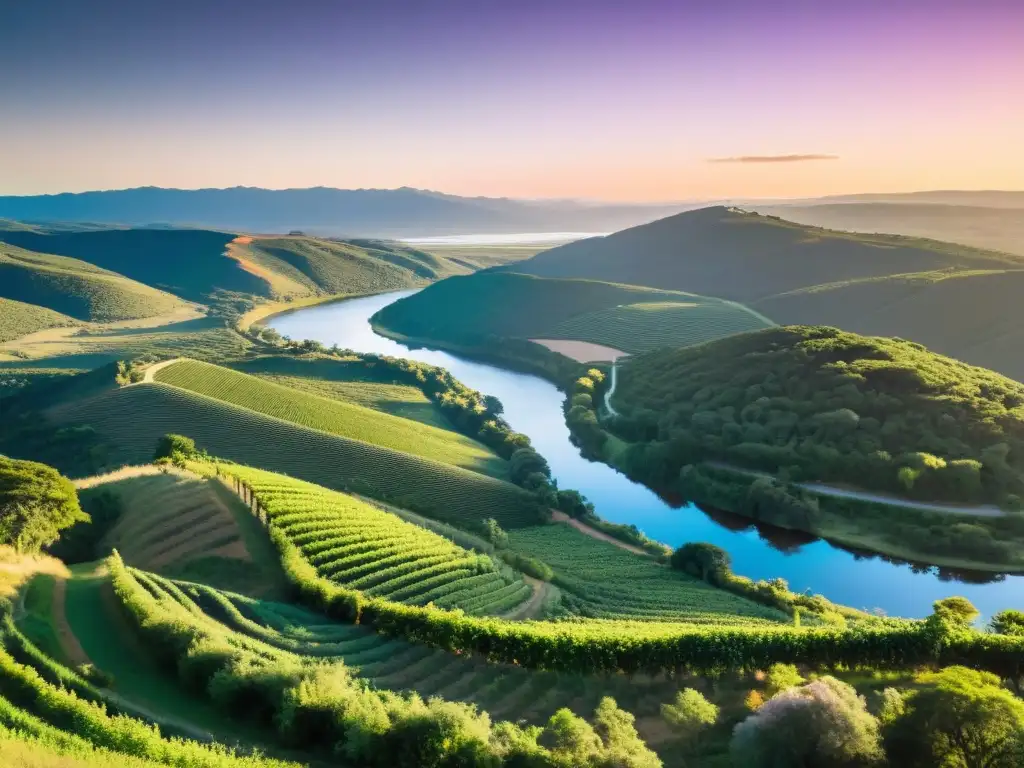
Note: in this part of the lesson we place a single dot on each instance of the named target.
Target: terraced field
(367, 548)
(506, 692)
(647, 326)
(134, 418)
(331, 416)
(602, 581)
(184, 527)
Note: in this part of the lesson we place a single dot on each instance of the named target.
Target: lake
(533, 406)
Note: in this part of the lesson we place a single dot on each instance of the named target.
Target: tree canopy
(822, 404)
(36, 504)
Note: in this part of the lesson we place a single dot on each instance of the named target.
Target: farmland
(134, 418)
(600, 580)
(371, 550)
(328, 415)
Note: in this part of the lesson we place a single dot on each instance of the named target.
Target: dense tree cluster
(816, 403)
(36, 504)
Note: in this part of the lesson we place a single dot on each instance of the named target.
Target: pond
(533, 406)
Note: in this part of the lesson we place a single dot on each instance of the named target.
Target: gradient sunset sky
(639, 100)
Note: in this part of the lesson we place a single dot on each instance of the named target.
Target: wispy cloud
(772, 158)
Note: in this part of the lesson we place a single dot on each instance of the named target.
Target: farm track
(532, 608)
(593, 533)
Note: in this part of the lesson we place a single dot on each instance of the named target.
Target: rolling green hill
(77, 289)
(746, 256)
(18, 319)
(328, 415)
(133, 419)
(975, 316)
(194, 264)
(627, 317)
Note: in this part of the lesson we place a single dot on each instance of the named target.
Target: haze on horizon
(651, 101)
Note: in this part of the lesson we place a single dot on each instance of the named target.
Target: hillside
(327, 211)
(196, 264)
(18, 319)
(76, 288)
(505, 304)
(997, 227)
(132, 419)
(745, 256)
(832, 406)
(329, 415)
(974, 316)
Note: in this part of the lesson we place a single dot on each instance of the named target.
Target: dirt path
(142, 470)
(69, 645)
(593, 533)
(531, 608)
(977, 510)
(611, 391)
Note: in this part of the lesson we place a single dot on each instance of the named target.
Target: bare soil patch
(593, 533)
(582, 351)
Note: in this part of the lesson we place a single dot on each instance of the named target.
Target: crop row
(135, 418)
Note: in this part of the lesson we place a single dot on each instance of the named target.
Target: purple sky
(626, 100)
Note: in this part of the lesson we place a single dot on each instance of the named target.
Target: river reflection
(534, 406)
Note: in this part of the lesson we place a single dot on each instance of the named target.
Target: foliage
(1008, 622)
(960, 718)
(36, 504)
(19, 319)
(689, 715)
(956, 609)
(781, 677)
(701, 560)
(824, 723)
(80, 543)
(127, 373)
(827, 405)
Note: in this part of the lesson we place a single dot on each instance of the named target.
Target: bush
(689, 715)
(36, 504)
(957, 717)
(823, 723)
(781, 677)
(704, 561)
(959, 610)
(172, 446)
(1008, 622)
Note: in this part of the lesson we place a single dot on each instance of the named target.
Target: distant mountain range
(403, 212)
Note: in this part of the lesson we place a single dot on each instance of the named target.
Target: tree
(172, 446)
(822, 724)
(781, 677)
(702, 560)
(526, 461)
(36, 504)
(570, 738)
(493, 405)
(574, 504)
(960, 718)
(690, 715)
(958, 610)
(623, 747)
(1008, 622)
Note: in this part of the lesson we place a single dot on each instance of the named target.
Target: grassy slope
(18, 319)
(76, 288)
(135, 417)
(332, 416)
(523, 306)
(744, 256)
(975, 316)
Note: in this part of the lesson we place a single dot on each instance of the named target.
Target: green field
(643, 327)
(509, 305)
(331, 416)
(18, 319)
(366, 548)
(350, 381)
(78, 289)
(135, 417)
(602, 581)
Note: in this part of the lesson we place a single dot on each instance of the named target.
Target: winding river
(534, 406)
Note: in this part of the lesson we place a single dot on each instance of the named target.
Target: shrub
(36, 504)
(689, 715)
(823, 723)
(959, 610)
(957, 717)
(1008, 622)
(702, 560)
(172, 446)
(781, 677)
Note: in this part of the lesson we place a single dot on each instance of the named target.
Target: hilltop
(746, 256)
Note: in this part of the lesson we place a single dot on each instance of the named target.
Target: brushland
(817, 405)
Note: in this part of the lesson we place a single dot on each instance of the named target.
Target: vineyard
(600, 580)
(366, 548)
(329, 415)
(135, 417)
(647, 326)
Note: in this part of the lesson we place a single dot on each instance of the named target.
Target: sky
(636, 100)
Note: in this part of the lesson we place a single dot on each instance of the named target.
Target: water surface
(534, 406)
